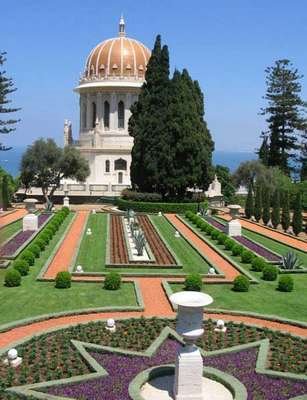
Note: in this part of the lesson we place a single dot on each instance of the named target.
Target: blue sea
(10, 160)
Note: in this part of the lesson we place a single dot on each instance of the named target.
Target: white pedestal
(66, 202)
(188, 384)
(30, 222)
(234, 228)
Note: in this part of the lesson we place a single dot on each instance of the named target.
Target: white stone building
(114, 72)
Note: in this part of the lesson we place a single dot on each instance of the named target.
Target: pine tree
(258, 203)
(5, 192)
(284, 112)
(285, 214)
(6, 88)
(303, 157)
(297, 220)
(249, 204)
(264, 150)
(275, 216)
(266, 212)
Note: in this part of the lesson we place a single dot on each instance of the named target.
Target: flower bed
(21, 238)
(287, 353)
(251, 245)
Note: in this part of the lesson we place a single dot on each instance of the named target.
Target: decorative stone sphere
(177, 234)
(110, 323)
(94, 211)
(211, 271)
(12, 354)
(89, 231)
(220, 323)
(160, 214)
(79, 269)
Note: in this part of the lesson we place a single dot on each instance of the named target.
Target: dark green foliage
(266, 212)
(45, 164)
(112, 281)
(44, 237)
(215, 234)
(247, 256)
(140, 206)
(12, 278)
(193, 282)
(35, 249)
(222, 238)
(291, 261)
(229, 244)
(21, 266)
(132, 195)
(237, 250)
(275, 216)
(172, 145)
(241, 284)
(285, 283)
(249, 204)
(258, 264)
(285, 113)
(224, 176)
(28, 256)
(269, 273)
(264, 151)
(40, 243)
(258, 203)
(63, 280)
(297, 220)
(285, 214)
(5, 192)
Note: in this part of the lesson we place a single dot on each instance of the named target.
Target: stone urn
(234, 226)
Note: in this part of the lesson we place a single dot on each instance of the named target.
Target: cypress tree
(5, 192)
(275, 216)
(266, 212)
(258, 203)
(249, 204)
(297, 220)
(285, 214)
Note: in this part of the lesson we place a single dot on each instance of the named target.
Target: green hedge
(156, 207)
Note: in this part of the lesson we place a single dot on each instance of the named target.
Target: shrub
(12, 278)
(269, 273)
(188, 214)
(112, 281)
(44, 237)
(204, 226)
(285, 283)
(52, 227)
(237, 250)
(152, 207)
(140, 196)
(48, 232)
(193, 282)
(291, 261)
(64, 210)
(35, 249)
(209, 229)
(229, 244)
(247, 256)
(21, 266)
(214, 234)
(28, 256)
(241, 284)
(222, 238)
(63, 280)
(258, 264)
(40, 242)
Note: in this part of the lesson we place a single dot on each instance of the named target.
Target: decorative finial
(122, 26)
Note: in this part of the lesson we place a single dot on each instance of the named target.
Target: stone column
(88, 111)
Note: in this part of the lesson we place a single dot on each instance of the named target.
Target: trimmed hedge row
(27, 258)
(152, 207)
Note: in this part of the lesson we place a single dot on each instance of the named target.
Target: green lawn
(262, 298)
(10, 230)
(34, 298)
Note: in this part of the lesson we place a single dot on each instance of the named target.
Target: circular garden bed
(52, 356)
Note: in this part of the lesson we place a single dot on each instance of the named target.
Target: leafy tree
(6, 88)
(266, 212)
(275, 216)
(249, 204)
(44, 165)
(284, 111)
(224, 176)
(297, 220)
(263, 152)
(258, 203)
(285, 214)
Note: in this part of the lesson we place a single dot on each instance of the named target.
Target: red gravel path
(12, 217)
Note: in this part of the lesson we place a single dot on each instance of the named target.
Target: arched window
(120, 177)
(106, 115)
(120, 164)
(84, 116)
(121, 115)
(94, 114)
(107, 165)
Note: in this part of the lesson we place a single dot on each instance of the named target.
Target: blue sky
(224, 44)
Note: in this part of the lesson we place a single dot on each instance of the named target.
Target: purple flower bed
(255, 247)
(20, 238)
(122, 369)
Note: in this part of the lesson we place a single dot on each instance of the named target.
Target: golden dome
(118, 57)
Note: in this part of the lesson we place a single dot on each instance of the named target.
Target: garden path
(211, 255)
(12, 217)
(273, 234)
(64, 256)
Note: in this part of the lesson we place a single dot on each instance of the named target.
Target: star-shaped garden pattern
(116, 372)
